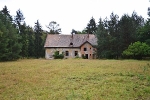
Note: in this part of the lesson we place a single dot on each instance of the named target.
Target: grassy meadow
(75, 79)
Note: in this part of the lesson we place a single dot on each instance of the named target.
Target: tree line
(125, 37)
(18, 39)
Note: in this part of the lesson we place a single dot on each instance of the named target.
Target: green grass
(75, 79)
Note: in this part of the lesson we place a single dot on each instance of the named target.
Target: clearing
(75, 79)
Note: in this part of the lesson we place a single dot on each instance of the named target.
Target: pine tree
(38, 40)
(91, 26)
(9, 45)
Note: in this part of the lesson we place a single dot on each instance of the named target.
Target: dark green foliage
(144, 33)
(91, 26)
(54, 28)
(137, 50)
(128, 29)
(31, 38)
(58, 56)
(74, 31)
(83, 56)
(6, 13)
(9, 45)
(38, 40)
(102, 40)
(114, 35)
(22, 31)
(17, 39)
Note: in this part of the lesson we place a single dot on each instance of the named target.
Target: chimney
(71, 40)
(72, 35)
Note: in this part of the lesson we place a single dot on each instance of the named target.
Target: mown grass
(75, 79)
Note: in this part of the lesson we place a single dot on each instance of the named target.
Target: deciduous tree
(54, 28)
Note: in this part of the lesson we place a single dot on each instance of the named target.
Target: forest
(122, 37)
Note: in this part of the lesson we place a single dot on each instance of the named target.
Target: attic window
(71, 43)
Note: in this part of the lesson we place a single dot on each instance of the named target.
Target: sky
(73, 14)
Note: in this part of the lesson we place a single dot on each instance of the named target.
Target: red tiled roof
(65, 40)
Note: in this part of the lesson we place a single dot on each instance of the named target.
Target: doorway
(86, 55)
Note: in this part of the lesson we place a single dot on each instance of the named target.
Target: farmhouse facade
(75, 45)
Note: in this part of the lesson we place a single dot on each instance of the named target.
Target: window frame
(75, 53)
(66, 53)
(84, 49)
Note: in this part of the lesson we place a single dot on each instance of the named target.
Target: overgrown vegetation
(58, 56)
(137, 50)
(75, 79)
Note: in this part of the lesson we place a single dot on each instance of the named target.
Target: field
(75, 79)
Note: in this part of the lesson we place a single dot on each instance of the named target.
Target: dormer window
(71, 43)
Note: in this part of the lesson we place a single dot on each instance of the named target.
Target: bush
(58, 56)
(137, 50)
(83, 56)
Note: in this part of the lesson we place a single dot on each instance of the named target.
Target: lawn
(75, 79)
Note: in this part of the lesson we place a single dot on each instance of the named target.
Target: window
(76, 53)
(85, 49)
(71, 43)
(67, 53)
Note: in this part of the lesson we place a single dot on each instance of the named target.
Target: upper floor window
(85, 49)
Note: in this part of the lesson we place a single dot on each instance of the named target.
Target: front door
(86, 55)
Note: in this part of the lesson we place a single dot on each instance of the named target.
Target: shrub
(58, 56)
(137, 50)
(83, 56)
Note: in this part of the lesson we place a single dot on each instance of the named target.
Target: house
(71, 45)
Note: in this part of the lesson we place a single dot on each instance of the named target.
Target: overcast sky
(73, 14)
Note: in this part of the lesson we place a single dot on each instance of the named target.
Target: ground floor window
(67, 53)
(76, 53)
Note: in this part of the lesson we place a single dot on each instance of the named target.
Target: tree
(6, 13)
(148, 11)
(114, 36)
(137, 50)
(102, 36)
(128, 29)
(9, 44)
(31, 40)
(54, 28)
(108, 37)
(22, 31)
(144, 33)
(74, 31)
(91, 26)
(19, 20)
(38, 40)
